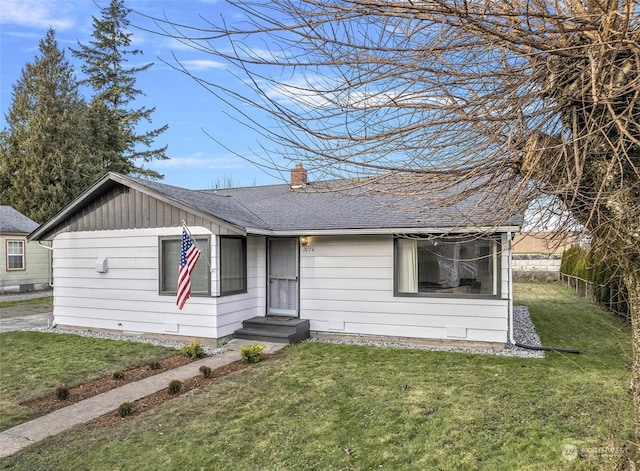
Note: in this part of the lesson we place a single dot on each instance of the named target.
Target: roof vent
(298, 176)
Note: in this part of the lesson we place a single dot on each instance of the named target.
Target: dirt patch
(79, 393)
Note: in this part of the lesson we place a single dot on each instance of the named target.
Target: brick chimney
(298, 176)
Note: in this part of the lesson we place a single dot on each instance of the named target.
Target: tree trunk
(632, 281)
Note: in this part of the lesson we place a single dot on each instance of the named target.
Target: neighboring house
(347, 262)
(537, 255)
(544, 243)
(24, 266)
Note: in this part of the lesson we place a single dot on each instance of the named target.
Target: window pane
(15, 262)
(232, 265)
(15, 255)
(15, 247)
(454, 266)
(171, 262)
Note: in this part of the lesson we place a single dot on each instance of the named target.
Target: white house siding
(37, 264)
(233, 309)
(346, 286)
(126, 297)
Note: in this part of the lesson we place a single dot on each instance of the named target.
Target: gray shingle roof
(339, 205)
(336, 206)
(217, 205)
(14, 222)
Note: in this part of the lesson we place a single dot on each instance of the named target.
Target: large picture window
(15, 255)
(170, 260)
(233, 265)
(447, 266)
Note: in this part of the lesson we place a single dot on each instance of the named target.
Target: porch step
(274, 329)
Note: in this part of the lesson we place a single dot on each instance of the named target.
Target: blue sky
(197, 161)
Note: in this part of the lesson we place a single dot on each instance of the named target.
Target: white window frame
(22, 255)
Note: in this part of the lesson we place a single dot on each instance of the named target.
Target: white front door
(283, 277)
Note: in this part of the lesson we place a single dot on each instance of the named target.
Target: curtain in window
(407, 266)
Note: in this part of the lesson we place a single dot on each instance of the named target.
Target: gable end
(122, 207)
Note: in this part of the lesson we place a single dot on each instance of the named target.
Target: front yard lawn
(34, 364)
(330, 407)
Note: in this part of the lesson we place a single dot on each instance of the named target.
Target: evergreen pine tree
(44, 153)
(116, 139)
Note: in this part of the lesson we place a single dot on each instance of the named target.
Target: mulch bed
(154, 400)
(51, 403)
(84, 391)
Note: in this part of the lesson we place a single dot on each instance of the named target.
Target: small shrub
(62, 393)
(174, 386)
(251, 353)
(118, 375)
(206, 371)
(154, 365)
(125, 409)
(193, 350)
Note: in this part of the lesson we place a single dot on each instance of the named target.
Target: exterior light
(304, 240)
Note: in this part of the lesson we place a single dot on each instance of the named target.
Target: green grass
(330, 407)
(34, 364)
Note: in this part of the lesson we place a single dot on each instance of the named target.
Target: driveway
(24, 317)
(33, 321)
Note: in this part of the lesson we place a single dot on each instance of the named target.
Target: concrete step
(274, 329)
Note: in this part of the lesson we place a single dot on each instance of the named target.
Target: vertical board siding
(346, 286)
(126, 297)
(126, 208)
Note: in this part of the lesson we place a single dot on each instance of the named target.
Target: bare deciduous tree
(543, 93)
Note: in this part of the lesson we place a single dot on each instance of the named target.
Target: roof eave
(385, 231)
(10, 233)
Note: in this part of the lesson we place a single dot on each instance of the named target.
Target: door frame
(296, 249)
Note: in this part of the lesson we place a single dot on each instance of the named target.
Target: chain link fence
(610, 297)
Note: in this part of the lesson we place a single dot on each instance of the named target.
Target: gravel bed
(177, 344)
(524, 333)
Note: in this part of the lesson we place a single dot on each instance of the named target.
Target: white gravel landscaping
(177, 344)
(524, 333)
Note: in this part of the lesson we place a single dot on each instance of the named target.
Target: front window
(15, 255)
(458, 266)
(233, 265)
(170, 261)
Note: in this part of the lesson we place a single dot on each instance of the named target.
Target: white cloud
(314, 91)
(201, 64)
(199, 160)
(37, 13)
(300, 89)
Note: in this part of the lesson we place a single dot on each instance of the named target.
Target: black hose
(548, 349)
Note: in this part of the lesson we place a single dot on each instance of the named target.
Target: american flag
(189, 255)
